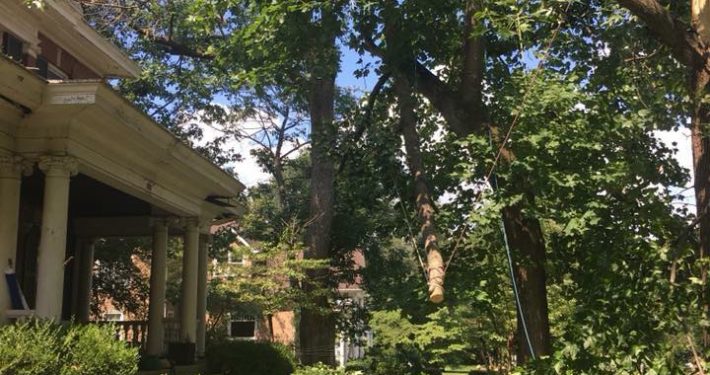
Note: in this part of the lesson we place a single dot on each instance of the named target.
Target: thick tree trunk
(317, 324)
(527, 244)
(528, 248)
(688, 46)
(465, 113)
(700, 138)
(424, 202)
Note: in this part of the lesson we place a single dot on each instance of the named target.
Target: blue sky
(251, 174)
(349, 63)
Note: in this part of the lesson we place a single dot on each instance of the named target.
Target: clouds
(248, 170)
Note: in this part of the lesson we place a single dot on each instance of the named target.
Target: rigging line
(515, 290)
(411, 235)
(478, 197)
(456, 247)
(533, 78)
(511, 269)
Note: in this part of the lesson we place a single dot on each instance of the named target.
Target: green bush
(91, 349)
(321, 369)
(36, 347)
(249, 358)
(30, 348)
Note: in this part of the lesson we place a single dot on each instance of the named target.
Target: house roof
(64, 23)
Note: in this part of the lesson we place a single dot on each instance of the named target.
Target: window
(114, 317)
(242, 328)
(12, 47)
(49, 71)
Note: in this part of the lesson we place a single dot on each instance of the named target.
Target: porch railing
(135, 332)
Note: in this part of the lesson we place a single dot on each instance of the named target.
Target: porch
(77, 163)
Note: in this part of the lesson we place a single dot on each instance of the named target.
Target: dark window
(242, 328)
(48, 71)
(42, 67)
(12, 47)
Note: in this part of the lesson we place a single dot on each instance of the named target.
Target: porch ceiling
(114, 142)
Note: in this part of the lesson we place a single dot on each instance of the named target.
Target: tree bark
(424, 201)
(528, 247)
(280, 183)
(700, 138)
(465, 113)
(317, 323)
(689, 46)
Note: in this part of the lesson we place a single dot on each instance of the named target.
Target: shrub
(37, 347)
(91, 349)
(30, 348)
(321, 369)
(249, 358)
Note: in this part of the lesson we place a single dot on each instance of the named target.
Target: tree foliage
(538, 124)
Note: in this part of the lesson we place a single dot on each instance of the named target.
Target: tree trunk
(528, 248)
(280, 183)
(701, 173)
(465, 113)
(317, 324)
(700, 138)
(424, 202)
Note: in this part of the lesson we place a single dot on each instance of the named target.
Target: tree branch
(471, 86)
(367, 117)
(443, 98)
(684, 45)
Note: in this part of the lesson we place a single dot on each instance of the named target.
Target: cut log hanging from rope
(425, 208)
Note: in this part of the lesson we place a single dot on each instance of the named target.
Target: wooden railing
(134, 332)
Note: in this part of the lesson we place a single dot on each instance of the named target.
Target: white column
(53, 241)
(85, 272)
(202, 294)
(188, 295)
(10, 182)
(158, 274)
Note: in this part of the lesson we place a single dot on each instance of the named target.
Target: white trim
(114, 143)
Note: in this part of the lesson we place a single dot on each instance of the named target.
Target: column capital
(205, 226)
(13, 166)
(166, 221)
(58, 166)
(191, 222)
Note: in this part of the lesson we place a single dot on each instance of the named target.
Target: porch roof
(113, 141)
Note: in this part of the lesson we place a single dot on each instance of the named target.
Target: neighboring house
(79, 162)
(283, 325)
(347, 349)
